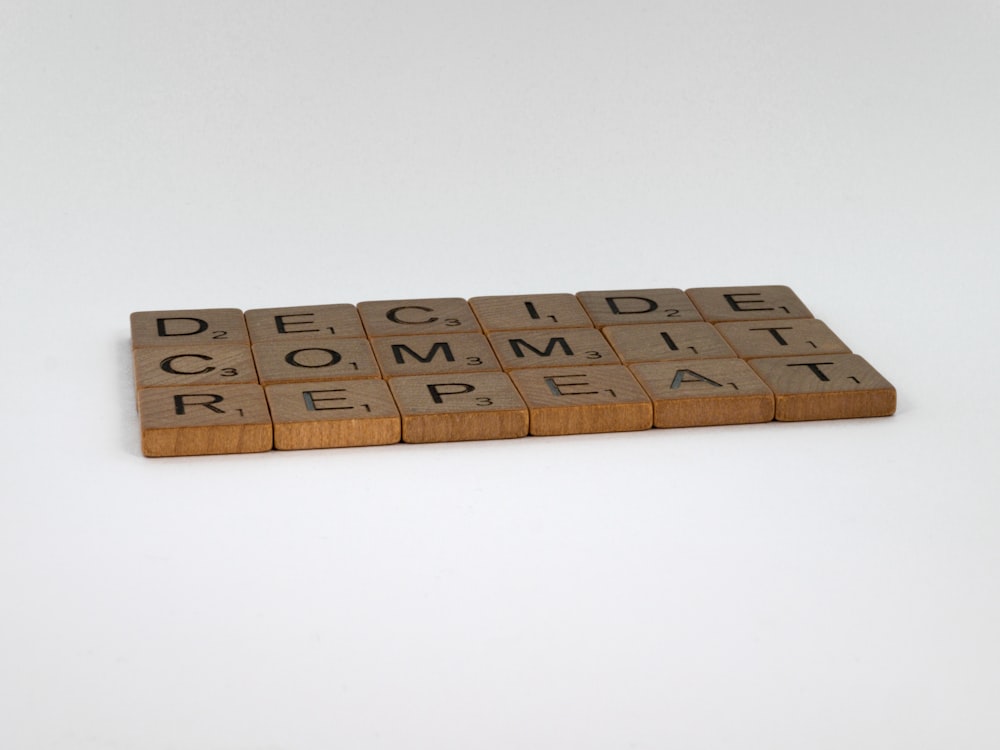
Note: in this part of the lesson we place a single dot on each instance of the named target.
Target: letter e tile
(459, 406)
(570, 401)
(826, 386)
(202, 421)
(317, 322)
(702, 392)
(747, 303)
(333, 414)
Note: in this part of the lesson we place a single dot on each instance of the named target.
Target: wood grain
(434, 353)
(189, 364)
(703, 392)
(638, 307)
(525, 312)
(410, 317)
(311, 322)
(663, 342)
(781, 338)
(769, 302)
(223, 325)
(554, 347)
(308, 360)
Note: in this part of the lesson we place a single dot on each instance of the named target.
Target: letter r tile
(570, 401)
(747, 303)
(333, 414)
(825, 386)
(187, 327)
(635, 306)
(459, 406)
(201, 421)
(702, 392)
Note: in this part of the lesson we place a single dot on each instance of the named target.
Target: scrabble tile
(193, 364)
(556, 347)
(701, 392)
(461, 406)
(638, 306)
(720, 303)
(410, 317)
(569, 401)
(826, 386)
(434, 353)
(186, 327)
(333, 414)
(663, 342)
(317, 322)
(530, 311)
(201, 421)
(307, 360)
(781, 338)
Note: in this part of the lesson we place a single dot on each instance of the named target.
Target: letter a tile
(204, 421)
(702, 392)
(830, 386)
(459, 406)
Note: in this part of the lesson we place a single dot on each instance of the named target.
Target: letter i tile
(826, 386)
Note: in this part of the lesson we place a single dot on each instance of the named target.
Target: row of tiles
(492, 405)
(476, 315)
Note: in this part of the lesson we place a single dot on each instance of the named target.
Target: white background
(820, 585)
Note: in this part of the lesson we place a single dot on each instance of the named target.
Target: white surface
(821, 585)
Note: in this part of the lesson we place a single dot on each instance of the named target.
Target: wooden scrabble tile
(460, 406)
(781, 338)
(193, 364)
(719, 303)
(186, 327)
(318, 322)
(333, 414)
(663, 342)
(308, 360)
(570, 401)
(202, 421)
(826, 386)
(434, 353)
(409, 317)
(701, 392)
(638, 306)
(557, 347)
(530, 311)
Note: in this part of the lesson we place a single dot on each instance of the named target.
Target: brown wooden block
(638, 306)
(317, 322)
(530, 311)
(719, 303)
(701, 392)
(434, 353)
(558, 347)
(460, 406)
(663, 342)
(571, 401)
(201, 421)
(781, 338)
(308, 360)
(224, 325)
(826, 386)
(193, 364)
(333, 414)
(410, 317)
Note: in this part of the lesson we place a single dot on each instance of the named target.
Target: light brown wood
(309, 360)
(193, 364)
(315, 322)
(460, 406)
(772, 302)
(663, 342)
(826, 386)
(702, 392)
(224, 325)
(781, 338)
(555, 347)
(333, 414)
(201, 421)
(435, 353)
(411, 317)
(638, 306)
(524, 312)
(570, 401)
